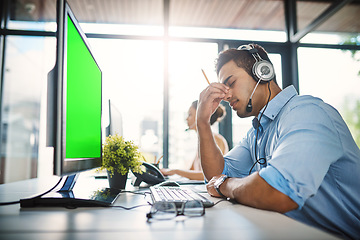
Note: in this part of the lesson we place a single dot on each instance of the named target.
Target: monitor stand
(71, 196)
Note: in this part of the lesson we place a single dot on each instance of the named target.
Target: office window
(333, 75)
(307, 11)
(344, 22)
(242, 125)
(32, 15)
(186, 81)
(133, 81)
(27, 62)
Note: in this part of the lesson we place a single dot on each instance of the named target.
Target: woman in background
(195, 171)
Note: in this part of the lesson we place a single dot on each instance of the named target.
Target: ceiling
(236, 14)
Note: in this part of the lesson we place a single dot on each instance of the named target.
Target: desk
(223, 221)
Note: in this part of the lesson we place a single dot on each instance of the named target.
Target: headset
(263, 71)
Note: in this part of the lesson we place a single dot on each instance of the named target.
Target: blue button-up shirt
(310, 156)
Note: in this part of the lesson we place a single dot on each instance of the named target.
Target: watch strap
(217, 188)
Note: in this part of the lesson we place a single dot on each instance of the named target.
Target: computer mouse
(168, 184)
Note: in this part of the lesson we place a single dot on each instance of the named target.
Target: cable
(261, 161)
(222, 200)
(140, 193)
(130, 208)
(9, 203)
(15, 202)
(39, 196)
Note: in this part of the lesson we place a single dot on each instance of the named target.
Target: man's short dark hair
(242, 58)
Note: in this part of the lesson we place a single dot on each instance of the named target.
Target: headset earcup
(263, 70)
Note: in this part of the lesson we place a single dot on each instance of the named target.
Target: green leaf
(120, 155)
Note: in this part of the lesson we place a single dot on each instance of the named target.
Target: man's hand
(209, 100)
(211, 188)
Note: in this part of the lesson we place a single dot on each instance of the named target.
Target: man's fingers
(212, 93)
(220, 86)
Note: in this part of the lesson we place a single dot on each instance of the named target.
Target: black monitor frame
(56, 108)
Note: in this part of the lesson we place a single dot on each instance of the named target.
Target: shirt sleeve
(308, 143)
(274, 178)
(238, 160)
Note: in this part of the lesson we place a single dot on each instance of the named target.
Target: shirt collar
(277, 103)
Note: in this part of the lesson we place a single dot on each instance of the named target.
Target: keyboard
(177, 195)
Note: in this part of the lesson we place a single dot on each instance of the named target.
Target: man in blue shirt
(298, 159)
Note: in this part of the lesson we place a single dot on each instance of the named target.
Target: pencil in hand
(158, 161)
(205, 77)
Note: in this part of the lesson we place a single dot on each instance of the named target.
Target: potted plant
(120, 156)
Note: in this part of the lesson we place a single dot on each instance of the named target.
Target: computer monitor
(74, 115)
(115, 121)
(74, 96)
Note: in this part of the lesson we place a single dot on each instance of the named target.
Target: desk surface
(225, 220)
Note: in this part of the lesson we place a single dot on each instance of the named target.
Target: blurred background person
(195, 172)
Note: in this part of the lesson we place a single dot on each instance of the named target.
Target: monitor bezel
(63, 166)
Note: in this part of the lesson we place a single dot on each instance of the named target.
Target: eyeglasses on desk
(168, 210)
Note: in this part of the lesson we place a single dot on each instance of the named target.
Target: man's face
(241, 85)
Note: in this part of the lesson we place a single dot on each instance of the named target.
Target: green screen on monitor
(83, 99)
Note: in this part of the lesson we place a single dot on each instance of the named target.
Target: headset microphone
(249, 105)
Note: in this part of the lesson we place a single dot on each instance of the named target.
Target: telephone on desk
(151, 175)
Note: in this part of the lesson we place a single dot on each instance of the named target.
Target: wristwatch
(218, 183)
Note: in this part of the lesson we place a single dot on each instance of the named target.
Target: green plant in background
(120, 156)
(353, 40)
(352, 111)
